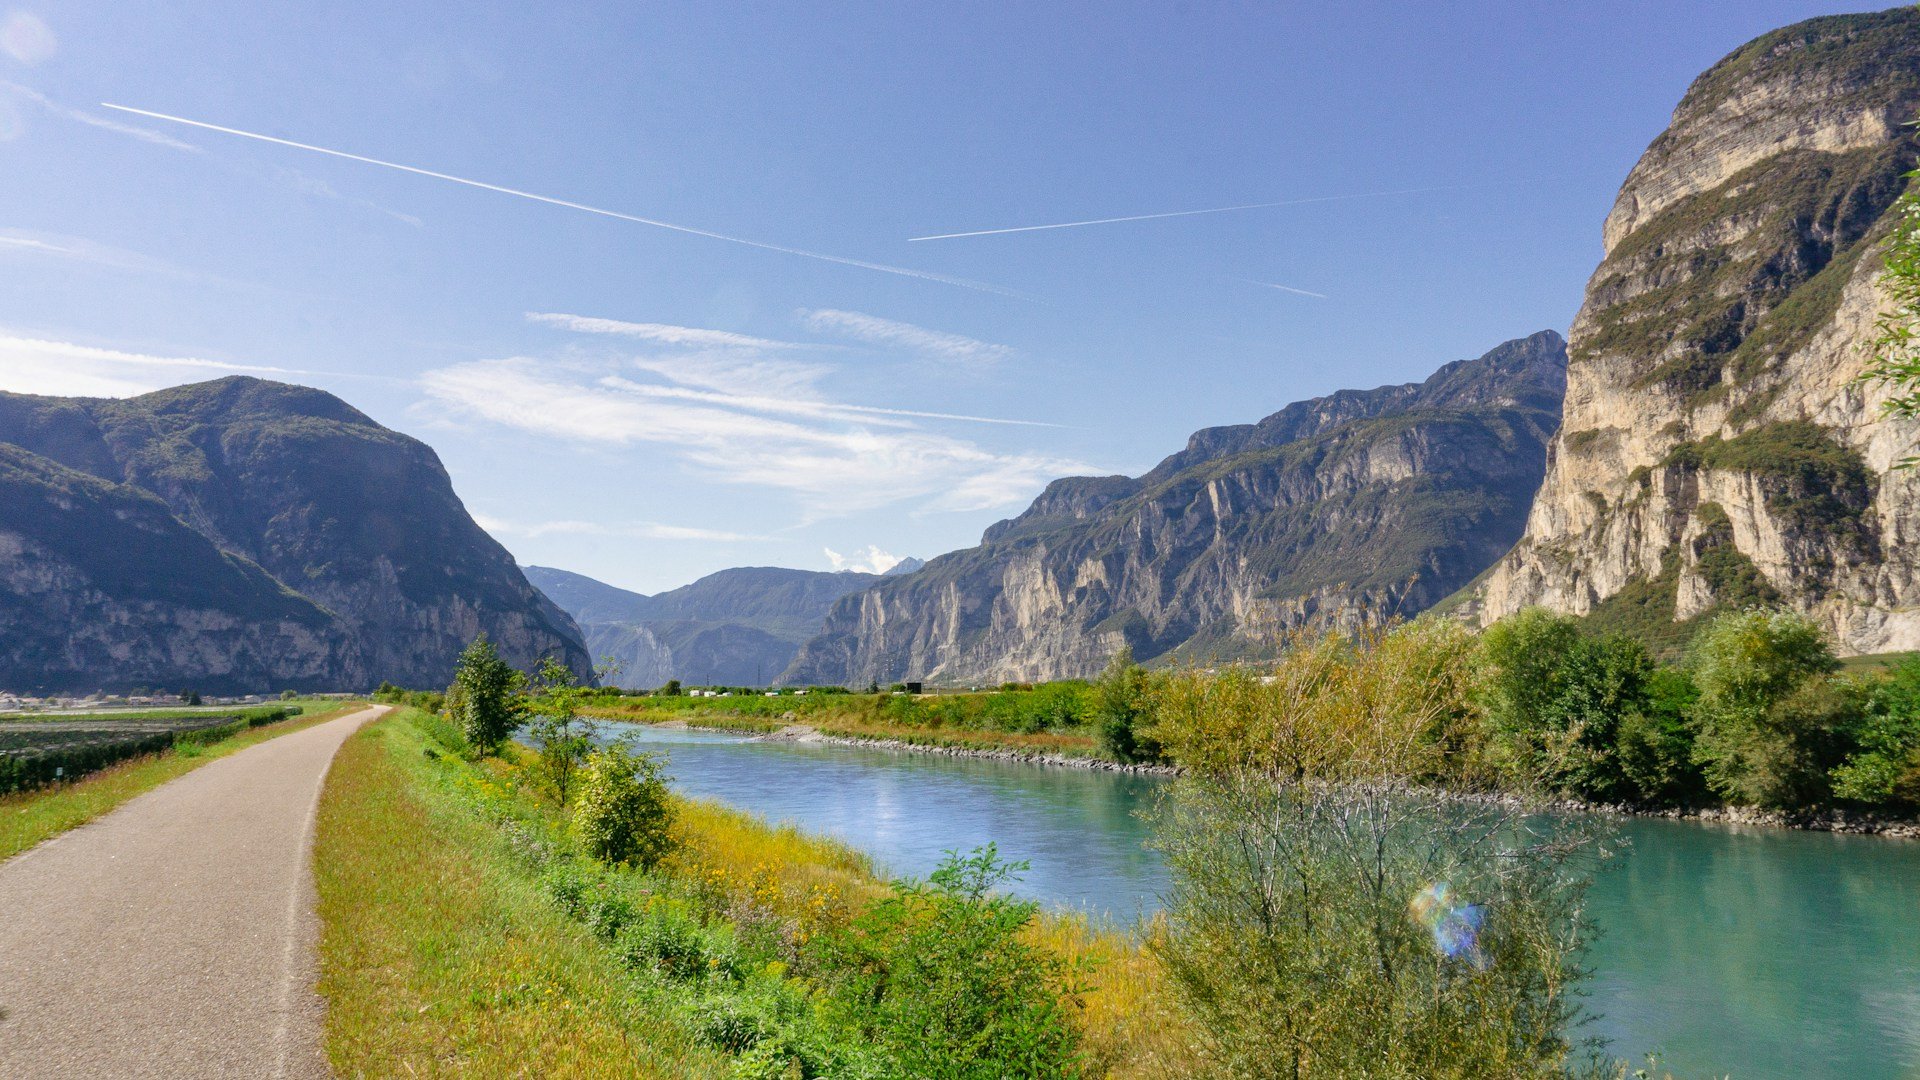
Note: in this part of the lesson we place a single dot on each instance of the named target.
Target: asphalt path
(175, 936)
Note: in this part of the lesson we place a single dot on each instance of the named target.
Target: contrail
(1192, 213)
(880, 267)
(1286, 289)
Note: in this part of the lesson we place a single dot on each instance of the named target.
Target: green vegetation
(1333, 913)
(1758, 714)
(28, 817)
(1811, 481)
(622, 813)
(37, 752)
(467, 918)
(485, 696)
(1896, 349)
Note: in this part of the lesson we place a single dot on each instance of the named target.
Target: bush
(937, 977)
(621, 811)
(1331, 912)
(1768, 719)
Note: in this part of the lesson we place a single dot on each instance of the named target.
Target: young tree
(487, 690)
(1121, 710)
(563, 737)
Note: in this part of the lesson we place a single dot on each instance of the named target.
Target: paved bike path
(174, 937)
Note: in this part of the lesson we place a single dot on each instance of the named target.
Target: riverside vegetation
(1335, 911)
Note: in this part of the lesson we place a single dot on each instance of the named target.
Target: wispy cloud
(27, 38)
(866, 560)
(862, 264)
(660, 333)
(66, 369)
(81, 116)
(1207, 210)
(638, 530)
(824, 453)
(892, 334)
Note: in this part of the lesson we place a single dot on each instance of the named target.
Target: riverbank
(690, 969)
(1833, 821)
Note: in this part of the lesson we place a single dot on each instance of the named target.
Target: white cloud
(836, 460)
(659, 333)
(867, 560)
(26, 38)
(81, 116)
(891, 334)
(62, 368)
(639, 530)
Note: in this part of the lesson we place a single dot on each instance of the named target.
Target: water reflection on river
(1760, 953)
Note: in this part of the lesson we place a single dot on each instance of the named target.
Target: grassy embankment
(1055, 719)
(463, 933)
(28, 817)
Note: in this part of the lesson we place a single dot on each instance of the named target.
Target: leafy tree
(671, 689)
(621, 811)
(939, 976)
(1764, 725)
(1896, 350)
(563, 737)
(1555, 698)
(1121, 710)
(487, 691)
(1884, 770)
(1654, 742)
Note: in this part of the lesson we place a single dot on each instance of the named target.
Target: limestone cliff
(1346, 508)
(1715, 450)
(268, 536)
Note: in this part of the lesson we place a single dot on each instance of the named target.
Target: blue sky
(647, 405)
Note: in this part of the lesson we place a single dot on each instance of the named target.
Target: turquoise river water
(1755, 953)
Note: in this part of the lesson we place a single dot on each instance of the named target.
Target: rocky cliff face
(1342, 509)
(738, 627)
(1715, 450)
(353, 528)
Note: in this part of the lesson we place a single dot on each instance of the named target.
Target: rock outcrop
(738, 627)
(262, 536)
(1716, 450)
(1343, 509)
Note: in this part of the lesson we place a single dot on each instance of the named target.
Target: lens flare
(1455, 926)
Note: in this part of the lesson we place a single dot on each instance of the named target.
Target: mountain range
(735, 627)
(243, 535)
(1361, 505)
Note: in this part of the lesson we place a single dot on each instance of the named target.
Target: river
(1757, 953)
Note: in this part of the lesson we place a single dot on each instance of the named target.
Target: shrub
(621, 812)
(938, 977)
(1370, 929)
(1766, 717)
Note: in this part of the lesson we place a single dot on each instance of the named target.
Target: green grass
(1876, 662)
(29, 817)
(438, 957)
